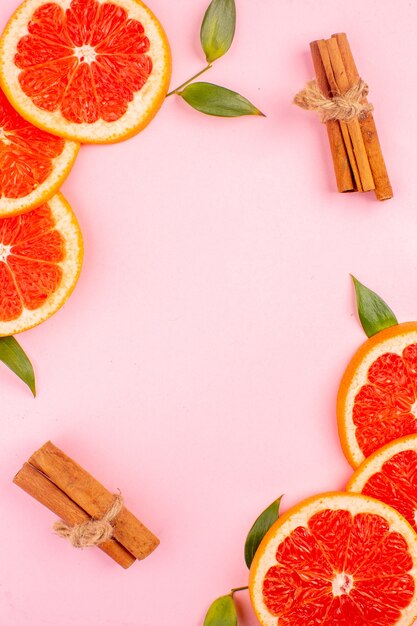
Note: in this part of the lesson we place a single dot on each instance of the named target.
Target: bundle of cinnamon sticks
(356, 151)
(70, 492)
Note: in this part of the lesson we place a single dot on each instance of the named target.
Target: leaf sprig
(218, 29)
(13, 355)
(216, 37)
(374, 313)
(259, 530)
(222, 612)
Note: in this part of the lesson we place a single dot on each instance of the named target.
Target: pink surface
(196, 365)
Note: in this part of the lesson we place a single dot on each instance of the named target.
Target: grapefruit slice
(377, 396)
(336, 560)
(40, 261)
(87, 70)
(33, 163)
(390, 475)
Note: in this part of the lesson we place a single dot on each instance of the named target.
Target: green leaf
(215, 100)
(218, 28)
(259, 530)
(222, 612)
(374, 313)
(15, 358)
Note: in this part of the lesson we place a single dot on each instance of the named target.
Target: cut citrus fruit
(378, 393)
(33, 163)
(40, 261)
(390, 475)
(87, 70)
(336, 560)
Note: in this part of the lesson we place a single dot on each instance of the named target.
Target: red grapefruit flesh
(390, 475)
(40, 260)
(33, 163)
(88, 70)
(377, 400)
(336, 560)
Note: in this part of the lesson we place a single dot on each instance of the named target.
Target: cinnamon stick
(353, 126)
(93, 498)
(340, 157)
(383, 189)
(44, 491)
(328, 68)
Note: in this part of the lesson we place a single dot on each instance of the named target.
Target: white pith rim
(140, 110)
(374, 463)
(354, 503)
(67, 225)
(395, 345)
(61, 166)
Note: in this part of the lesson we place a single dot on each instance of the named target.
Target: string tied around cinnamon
(346, 107)
(94, 532)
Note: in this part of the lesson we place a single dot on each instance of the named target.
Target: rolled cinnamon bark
(340, 156)
(44, 491)
(92, 497)
(383, 189)
(334, 88)
(353, 126)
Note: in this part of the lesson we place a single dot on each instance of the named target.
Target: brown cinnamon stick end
(342, 169)
(93, 497)
(37, 485)
(383, 189)
(384, 193)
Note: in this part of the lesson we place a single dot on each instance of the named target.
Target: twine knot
(94, 532)
(346, 107)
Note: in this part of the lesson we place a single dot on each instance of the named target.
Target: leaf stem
(232, 591)
(187, 82)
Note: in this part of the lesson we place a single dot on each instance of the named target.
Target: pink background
(196, 365)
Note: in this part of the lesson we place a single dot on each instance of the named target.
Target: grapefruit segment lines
(336, 559)
(390, 475)
(377, 400)
(33, 163)
(86, 70)
(40, 261)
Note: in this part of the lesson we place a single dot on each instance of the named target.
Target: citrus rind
(67, 225)
(61, 167)
(375, 461)
(394, 340)
(141, 110)
(299, 516)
